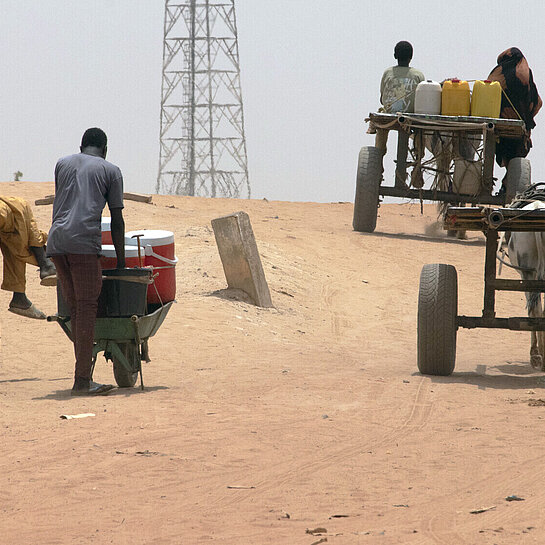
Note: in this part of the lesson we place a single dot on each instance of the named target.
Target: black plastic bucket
(123, 294)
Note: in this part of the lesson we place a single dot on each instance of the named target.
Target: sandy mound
(258, 425)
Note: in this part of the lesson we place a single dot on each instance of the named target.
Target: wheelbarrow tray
(122, 329)
(123, 340)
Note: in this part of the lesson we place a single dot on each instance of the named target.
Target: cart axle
(514, 323)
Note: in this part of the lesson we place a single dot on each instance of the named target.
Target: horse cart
(438, 319)
(449, 159)
(129, 323)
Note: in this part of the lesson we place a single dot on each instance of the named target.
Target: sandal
(30, 312)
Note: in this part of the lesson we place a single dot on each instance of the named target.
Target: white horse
(526, 252)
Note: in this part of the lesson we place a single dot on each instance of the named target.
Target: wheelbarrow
(124, 340)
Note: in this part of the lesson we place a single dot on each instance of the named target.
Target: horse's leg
(541, 336)
(533, 301)
(527, 252)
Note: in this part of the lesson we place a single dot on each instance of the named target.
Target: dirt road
(259, 426)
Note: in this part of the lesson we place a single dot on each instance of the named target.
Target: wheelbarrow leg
(138, 340)
(98, 347)
(93, 366)
(140, 369)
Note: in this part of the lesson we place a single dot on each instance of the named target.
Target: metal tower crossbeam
(202, 141)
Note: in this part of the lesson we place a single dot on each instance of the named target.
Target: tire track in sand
(417, 419)
(448, 509)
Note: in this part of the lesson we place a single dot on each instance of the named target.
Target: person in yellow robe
(22, 242)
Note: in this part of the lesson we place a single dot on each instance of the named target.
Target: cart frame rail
(491, 222)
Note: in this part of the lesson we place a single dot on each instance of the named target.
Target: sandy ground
(259, 426)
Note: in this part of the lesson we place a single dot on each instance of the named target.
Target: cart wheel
(437, 312)
(124, 378)
(367, 186)
(518, 177)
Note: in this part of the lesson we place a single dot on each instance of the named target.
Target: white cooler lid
(106, 224)
(108, 250)
(150, 237)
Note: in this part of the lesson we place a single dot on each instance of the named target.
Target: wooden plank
(443, 196)
(507, 128)
(514, 324)
(139, 197)
(46, 200)
(129, 196)
(499, 219)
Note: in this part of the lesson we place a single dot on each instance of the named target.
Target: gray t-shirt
(83, 185)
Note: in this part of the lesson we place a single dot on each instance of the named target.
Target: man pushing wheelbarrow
(84, 183)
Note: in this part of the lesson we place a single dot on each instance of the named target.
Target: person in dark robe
(520, 100)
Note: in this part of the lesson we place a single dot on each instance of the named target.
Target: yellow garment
(18, 231)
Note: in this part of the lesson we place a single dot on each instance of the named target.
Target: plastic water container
(427, 98)
(486, 99)
(106, 228)
(108, 258)
(455, 98)
(160, 255)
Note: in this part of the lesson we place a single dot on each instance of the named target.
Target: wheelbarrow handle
(137, 237)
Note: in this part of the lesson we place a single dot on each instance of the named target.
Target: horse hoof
(536, 361)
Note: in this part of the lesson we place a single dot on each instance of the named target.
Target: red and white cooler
(106, 228)
(159, 254)
(108, 257)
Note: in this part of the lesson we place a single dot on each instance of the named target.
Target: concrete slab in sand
(240, 257)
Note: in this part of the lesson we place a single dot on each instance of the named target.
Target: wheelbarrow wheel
(368, 180)
(437, 313)
(518, 177)
(123, 377)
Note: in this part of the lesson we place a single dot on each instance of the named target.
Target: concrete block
(240, 257)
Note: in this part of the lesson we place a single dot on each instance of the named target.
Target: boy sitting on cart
(397, 89)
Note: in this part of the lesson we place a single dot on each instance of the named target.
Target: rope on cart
(500, 253)
(535, 193)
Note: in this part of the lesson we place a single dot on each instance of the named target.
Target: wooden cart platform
(448, 138)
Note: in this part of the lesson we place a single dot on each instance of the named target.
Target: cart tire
(437, 313)
(368, 180)
(124, 378)
(518, 177)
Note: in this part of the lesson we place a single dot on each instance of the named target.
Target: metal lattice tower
(203, 147)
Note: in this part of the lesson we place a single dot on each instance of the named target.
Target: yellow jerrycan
(455, 98)
(486, 99)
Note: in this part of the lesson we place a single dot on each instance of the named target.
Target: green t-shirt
(397, 88)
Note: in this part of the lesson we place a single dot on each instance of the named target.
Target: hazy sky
(310, 74)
